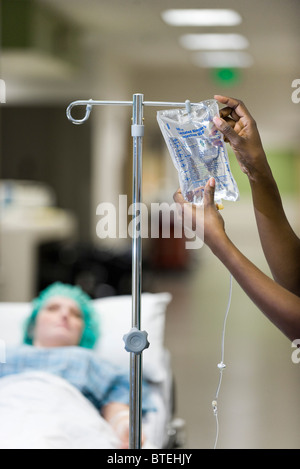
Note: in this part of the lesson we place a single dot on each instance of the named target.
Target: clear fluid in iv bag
(198, 151)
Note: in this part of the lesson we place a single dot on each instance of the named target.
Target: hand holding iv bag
(198, 150)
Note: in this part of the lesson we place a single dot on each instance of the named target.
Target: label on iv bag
(198, 151)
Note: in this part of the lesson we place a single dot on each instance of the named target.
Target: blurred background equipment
(29, 218)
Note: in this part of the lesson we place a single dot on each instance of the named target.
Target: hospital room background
(54, 175)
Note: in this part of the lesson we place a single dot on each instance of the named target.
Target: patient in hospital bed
(54, 391)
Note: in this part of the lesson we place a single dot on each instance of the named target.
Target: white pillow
(115, 322)
(115, 317)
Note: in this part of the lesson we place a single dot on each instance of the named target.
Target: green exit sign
(226, 76)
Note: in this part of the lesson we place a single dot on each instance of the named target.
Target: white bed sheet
(42, 411)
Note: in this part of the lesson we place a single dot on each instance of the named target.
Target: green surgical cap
(90, 333)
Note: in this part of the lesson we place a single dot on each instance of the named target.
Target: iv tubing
(221, 365)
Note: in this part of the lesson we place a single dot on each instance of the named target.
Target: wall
(38, 143)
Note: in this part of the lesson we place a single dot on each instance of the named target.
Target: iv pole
(136, 340)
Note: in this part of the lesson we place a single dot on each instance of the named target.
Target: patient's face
(58, 324)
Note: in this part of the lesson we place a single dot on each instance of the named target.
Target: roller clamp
(136, 341)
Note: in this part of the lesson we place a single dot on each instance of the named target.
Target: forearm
(280, 244)
(279, 305)
(117, 415)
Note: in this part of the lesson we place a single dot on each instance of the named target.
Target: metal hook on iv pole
(88, 110)
(89, 106)
(90, 103)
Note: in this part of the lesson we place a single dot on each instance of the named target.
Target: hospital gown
(98, 380)
(50, 398)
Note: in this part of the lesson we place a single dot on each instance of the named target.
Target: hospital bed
(161, 428)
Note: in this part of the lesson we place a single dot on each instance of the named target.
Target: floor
(258, 405)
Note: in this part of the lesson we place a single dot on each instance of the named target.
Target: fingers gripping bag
(198, 150)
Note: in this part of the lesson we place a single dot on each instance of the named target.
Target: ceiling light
(213, 41)
(201, 17)
(223, 59)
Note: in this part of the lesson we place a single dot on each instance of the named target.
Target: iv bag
(198, 151)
